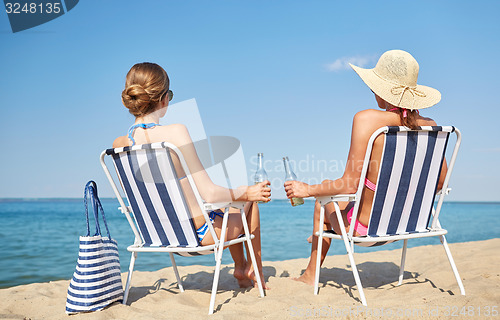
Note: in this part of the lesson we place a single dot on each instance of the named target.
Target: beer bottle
(289, 176)
(261, 174)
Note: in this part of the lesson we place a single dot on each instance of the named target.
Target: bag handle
(90, 193)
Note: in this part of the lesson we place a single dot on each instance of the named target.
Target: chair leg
(216, 281)
(252, 254)
(356, 276)
(402, 266)
(129, 276)
(452, 263)
(348, 245)
(174, 265)
(319, 249)
(218, 259)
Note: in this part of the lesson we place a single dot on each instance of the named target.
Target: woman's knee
(317, 205)
(253, 215)
(250, 205)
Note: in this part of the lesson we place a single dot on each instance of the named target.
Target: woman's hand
(259, 192)
(296, 189)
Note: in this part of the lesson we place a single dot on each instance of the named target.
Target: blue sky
(270, 73)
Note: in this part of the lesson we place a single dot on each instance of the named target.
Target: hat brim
(426, 98)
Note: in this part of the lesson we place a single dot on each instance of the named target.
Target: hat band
(399, 89)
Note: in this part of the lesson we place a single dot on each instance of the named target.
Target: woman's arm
(444, 170)
(209, 191)
(362, 128)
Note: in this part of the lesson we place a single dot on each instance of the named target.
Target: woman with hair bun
(146, 96)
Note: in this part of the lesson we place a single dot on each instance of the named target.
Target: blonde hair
(146, 84)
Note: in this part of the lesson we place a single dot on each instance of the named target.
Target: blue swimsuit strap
(139, 125)
(214, 214)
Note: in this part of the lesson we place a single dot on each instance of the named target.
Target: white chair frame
(348, 238)
(217, 247)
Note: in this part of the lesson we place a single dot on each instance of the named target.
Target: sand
(429, 290)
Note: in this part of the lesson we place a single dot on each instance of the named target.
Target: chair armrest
(447, 192)
(219, 205)
(129, 208)
(340, 197)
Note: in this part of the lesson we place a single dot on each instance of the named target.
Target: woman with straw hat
(394, 83)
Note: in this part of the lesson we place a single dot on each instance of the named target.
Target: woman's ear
(164, 102)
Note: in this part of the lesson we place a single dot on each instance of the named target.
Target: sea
(40, 236)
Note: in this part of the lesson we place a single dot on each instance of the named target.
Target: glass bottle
(290, 176)
(261, 174)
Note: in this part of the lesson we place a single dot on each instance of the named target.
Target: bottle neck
(261, 165)
(288, 171)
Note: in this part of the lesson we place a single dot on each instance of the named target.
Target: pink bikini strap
(370, 185)
(405, 114)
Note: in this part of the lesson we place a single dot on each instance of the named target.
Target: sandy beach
(429, 290)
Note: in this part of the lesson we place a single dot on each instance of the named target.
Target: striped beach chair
(405, 195)
(162, 221)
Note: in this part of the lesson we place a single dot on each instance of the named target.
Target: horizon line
(9, 199)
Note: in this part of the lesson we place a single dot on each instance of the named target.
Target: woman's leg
(236, 250)
(234, 229)
(240, 266)
(330, 221)
(253, 221)
(243, 270)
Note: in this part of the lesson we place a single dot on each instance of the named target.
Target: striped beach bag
(96, 282)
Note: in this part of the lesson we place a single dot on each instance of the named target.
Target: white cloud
(343, 63)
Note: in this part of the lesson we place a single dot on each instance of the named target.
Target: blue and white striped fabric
(153, 191)
(408, 179)
(96, 281)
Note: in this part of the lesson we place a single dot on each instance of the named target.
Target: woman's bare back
(368, 121)
(177, 135)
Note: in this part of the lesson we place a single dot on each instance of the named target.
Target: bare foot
(306, 279)
(251, 275)
(243, 280)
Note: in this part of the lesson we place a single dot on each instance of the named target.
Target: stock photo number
(470, 311)
(450, 312)
(27, 14)
(47, 8)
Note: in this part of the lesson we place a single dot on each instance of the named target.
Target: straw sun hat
(394, 79)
